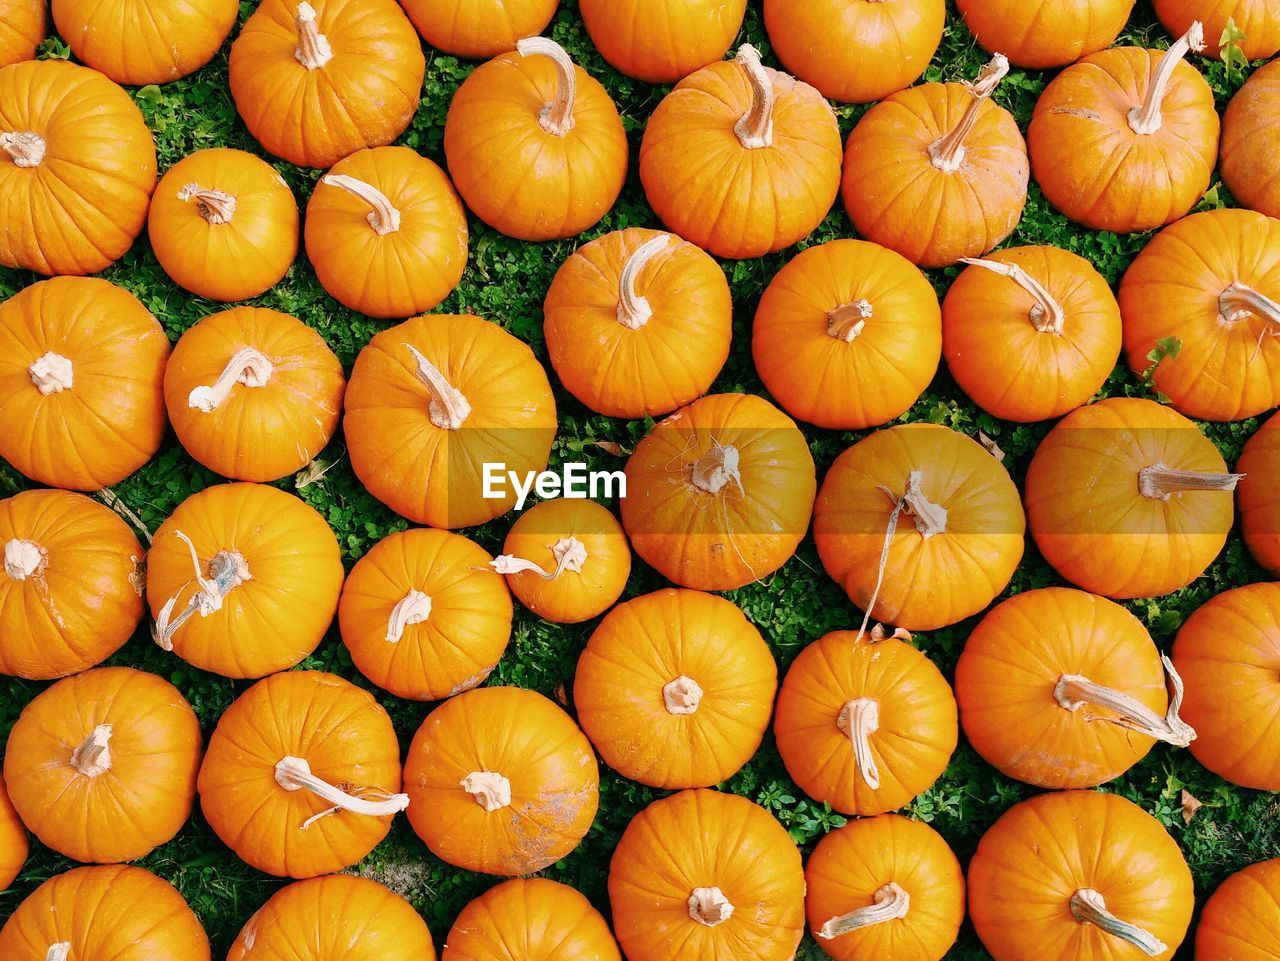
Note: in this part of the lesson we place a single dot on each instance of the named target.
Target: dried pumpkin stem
(709, 906)
(23, 558)
(58, 952)
(716, 468)
(1160, 483)
(1239, 301)
(755, 127)
(215, 206)
(633, 310)
(413, 608)
(93, 757)
(556, 117)
(383, 217)
(227, 570)
(569, 554)
(448, 408)
(1046, 314)
(890, 903)
(313, 50)
(294, 774)
(1146, 118)
(1074, 691)
(491, 790)
(247, 366)
(25, 148)
(858, 720)
(1089, 907)
(846, 321)
(51, 373)
(681, 695)
(947, 153)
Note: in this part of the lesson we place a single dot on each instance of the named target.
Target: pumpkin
(72, 583)
(23, 24)
(884, 887)
(720, 493)
(1063, 689)
(386, 233)
(253, 394)
(302, 775)
(102, 766)
(1092, 874)
(662, 41)
(243, 580)
(223, 224)
(920, 526)
(638, 323)
(566, 559)
(741, 159)
(1212, 282)
(77, 167)
(847, 335)
(316, 84)
(477, 29)
(13, 840)
(937, 172)
(81, 382)
(422, 616)
(700, 874)
(501, 782)
(1250, 142)
(1258, 20)
(1259, 498)
(527, 918)
(1045, 33)
(434, 399)
(1126, 139)
(1240, 919)
(1125, 498)
(1047, 307)
(675, 689)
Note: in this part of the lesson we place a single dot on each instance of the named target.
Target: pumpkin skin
(1069, 841)
(741, 192)
(253, 394)
(1250, 139)
(74, 196)
(1045, 33)
(81, 382)
(1258, 20)
(1258, 499)
(847, 335)
(1241, 917)
(662, 41)
(478, 29)
(370, 68)
(23, 24)
(675, 689)
(14, 846)
(442, 646)
(502, 782)
(102, 766)
(743, 500)
(261, 625)
(530, 919)
(393, 262)
(423, 459)
(743, 856)
(636, 327)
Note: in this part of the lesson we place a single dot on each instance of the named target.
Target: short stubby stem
(681, 695)
(1160, 483)
(491, 790)
(755, 128)
(1046, 314)
(947, 152)
(25, 149)
(215, 206)
(23, 559)
(448, 408)
(857, 721)
(890, 903)
(1089, 907)
(59, 952)
(51, 373)
(847, 321)
(633, 310)
(294, 774)
(413, 608)
(1240, 301)
(93, 757)
(569, 555)
(247, 366)
(709, 906)
(1074, 691)
(717, 468)
(1145, 118)
(556, 117)
(313, 50)
(383, 217)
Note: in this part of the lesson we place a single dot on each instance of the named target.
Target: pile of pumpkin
(922, 526)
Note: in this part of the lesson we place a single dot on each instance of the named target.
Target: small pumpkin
(937, 172)
(243, 580)
(1258, 496)
(847, 335)
(1241, 917)
(675, 689)
(422, 616)
(253, 394)
(386, 233)
(81, 382)
(502, 782)
(1045, 33)
(23, 24)
(1047, 307)
(1250, 140)
(662, 41)
(701, 874)
(102, 766)
(638, 323)
(314, 84)
(1257, 20)
(527, 918)
(741, 159)
(477, 29)
(14, 846)
(720, 493)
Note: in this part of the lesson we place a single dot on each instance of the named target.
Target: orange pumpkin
(1240, 919)
(1045, 33)
(72, 581)
(243, 580)
(501, 782)
(1258, 20)
(1126, 139)
(386, 233)
(435, 398)
(847, 335)
(1125, 498)
(102, 766)
(23, 24)
(702, 874)
(675, 689)
(527, 918)
(81, 382)
(662, 41)
(937, 172)
(720, 493)
(253, 394)
(422, 616)
(477, 29)
(741, 159)
(1259, 497)
(1047, 307)
(77, 167)
(13, 840)
(884, 887)
(920, 526)
(314, 84)
(302, 774)
(638, 323)
(1091, 874)
(1250, 141)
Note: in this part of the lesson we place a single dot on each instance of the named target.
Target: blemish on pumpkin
(1077, 112)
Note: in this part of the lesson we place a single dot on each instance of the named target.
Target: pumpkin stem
(1089, 907)
(227, 570)
(556, 117)
(215, 206)
(1239, 301)
(890, 903)
(947, 153)
(448, 409)
(383, 217)
(1160, 483)
(247, 366)
(569, 554)
(93, 757)
(681, 695)
(25, 149)
(58, 952)
(1145, 118)
(24, 558)
(1073, 691)
(755, 127)
(1046, 313)
(858, 720)
(846, 321)
(716, 468)
(709, 906)
(51, 373)
(633, 310)
(492, 791)
(413, 608)
(294, 774)
(313, 50)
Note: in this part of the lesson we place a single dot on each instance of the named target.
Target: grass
(505, 281)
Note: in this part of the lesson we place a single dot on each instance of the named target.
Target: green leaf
(1232, 56)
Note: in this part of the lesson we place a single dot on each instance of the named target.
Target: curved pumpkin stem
(556, 117)
(413, 608)
(858, 720)
(1239, 301)
(215, 206)
(448, 408)
(891, 903)
(23, 558)
(313, 50)
(25, 148)
(51, 373)
(294, 774)
(1073, 691)
(58, 952)
(383, 217)
(755, 128)
(1089, 907)
(491, 790)
(227, 570)
(947, 153)
(247, 366)
(709, 906)
(1146, 118)
(569, 554)
(846, 321)
(93, 757)
(1046, 314)
(633, 310)
(1160, 483)
(716, 468)
(681, 695)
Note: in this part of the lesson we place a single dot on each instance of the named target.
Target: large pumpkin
(477, 29)
(77, 167)
(720, 493)
(102, 766)
(1259, 496)
(1251, 140)
(1045, 33)
(638, 323)
(23, 24)
(741, 159)
(1240, 919)
(81, 382)
(243, 580)
(1258, 20)
(502, 782)
(675, 689)
(527, 918)
(14, 846)
(662, 41)
(431, 402)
